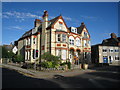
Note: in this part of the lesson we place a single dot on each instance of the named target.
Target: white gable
(60, 25)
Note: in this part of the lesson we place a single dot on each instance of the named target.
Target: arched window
(71, 40)
(78, 42)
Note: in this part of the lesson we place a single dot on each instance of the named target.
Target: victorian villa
(72, 44)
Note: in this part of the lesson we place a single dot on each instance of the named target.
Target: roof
(79, 29)
(111, 41)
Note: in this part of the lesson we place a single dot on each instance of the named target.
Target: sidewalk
(44, 74)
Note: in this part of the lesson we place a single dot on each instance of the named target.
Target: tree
(7, 53)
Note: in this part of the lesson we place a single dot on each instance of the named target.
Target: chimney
(45, 19)
(45, 14)
(37, 22)
(82, 23)
(113, 35)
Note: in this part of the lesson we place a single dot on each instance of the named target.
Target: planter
(80, 66)
(85, 66)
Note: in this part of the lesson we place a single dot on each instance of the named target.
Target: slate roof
(111, 41)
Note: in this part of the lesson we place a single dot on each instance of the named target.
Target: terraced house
(72, 44)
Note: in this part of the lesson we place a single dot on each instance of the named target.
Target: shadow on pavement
(13, 79)
(92, 80)
(107, 68)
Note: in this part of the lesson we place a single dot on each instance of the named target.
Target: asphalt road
(13, 79)
(98, 79)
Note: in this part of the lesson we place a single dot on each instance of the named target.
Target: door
(105, 59)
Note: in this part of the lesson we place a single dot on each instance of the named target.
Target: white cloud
(89, 17)
(15, 27)
(21, 16)
(67, 18)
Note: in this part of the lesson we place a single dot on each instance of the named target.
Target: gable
(85, 31)
(60, 25)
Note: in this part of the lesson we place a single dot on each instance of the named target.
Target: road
(13, 79)
(98, 79)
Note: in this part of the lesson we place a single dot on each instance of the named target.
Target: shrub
(69, 65)
(51, 61)
(19, 58)
(66, 63)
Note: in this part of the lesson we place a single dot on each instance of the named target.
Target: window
(63, 54)
(110, 50)
(71, 40)
(117, 58)
(36, 53)
(58, 38)
(89, 43)
(72, 30)
(25, 55)
(34, 40)
(104, 50)
(25, 41)
(63, 37)
(85, 43)
(75, 30)
(85, 35)
(33, 53)
(77, 42)
(58, 52)
(116, 50)
(29, 41)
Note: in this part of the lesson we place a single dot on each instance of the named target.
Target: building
(107, 52)
(53, 36)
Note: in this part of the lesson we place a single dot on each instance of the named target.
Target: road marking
(96, 83)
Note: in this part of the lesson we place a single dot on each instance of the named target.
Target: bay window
(58, 37)
(63, 37)
(77, 42)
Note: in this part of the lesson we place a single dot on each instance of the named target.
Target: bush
(69, 65)
(66, 63)
(19, 58)
(63, 64)
(51, 61)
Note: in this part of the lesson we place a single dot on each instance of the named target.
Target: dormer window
(73, 29)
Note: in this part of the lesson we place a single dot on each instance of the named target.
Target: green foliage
(19, 58)
(7, 53)
(66, 63)
(51, 61)
(69, 65)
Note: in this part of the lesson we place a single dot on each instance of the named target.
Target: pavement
(46, 74)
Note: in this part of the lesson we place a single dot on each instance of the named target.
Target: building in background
(107, 52)
(72, 44)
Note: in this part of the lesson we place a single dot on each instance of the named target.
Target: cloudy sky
(99, 18)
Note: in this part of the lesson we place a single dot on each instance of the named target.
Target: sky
(100, 18)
